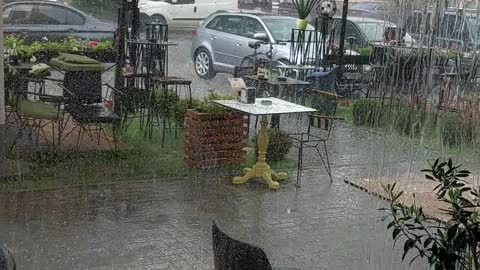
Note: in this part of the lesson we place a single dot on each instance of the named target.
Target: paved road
(181, 64)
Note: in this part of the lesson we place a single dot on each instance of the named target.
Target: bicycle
(251, 63)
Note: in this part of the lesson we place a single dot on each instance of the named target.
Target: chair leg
(326, 160)
(299, 165)
(17, 138)
(114, 134)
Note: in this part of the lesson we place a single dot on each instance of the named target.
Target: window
(6, 14)
(227, 24)
(281, 29)
(55, 15)
(46, 14)
(251, 27)
(352, 32)
(19, 14)
(74, 18)
(182, 2)
(213, 23)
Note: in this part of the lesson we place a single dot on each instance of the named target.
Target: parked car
(53, 20)
(221, 42)
(182, 13)
(363, 32)
(458, 28)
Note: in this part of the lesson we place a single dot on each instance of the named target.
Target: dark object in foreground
(7, 262)
(232, 254)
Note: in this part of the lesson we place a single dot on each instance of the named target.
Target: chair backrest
(7, 262)
(324, 80)
(231, 254)
(326, 103)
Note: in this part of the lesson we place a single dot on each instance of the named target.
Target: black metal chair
(93, 119)
(38, 115)
(231, 254)
(7, 262)
(320, 125)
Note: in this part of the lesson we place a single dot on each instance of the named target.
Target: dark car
(38, 19)
(361, 32)
(374, 10)
(458, 28)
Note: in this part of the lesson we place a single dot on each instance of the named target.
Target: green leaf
(429, 177)
(407, 246)
(391, 224)
(395, 233)
(427, 242)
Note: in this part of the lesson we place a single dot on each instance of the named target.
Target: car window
(251, 27)
(281, 29)
(454, 27)
(213, 23)
(350, 32)
(74, 18)
(19, 14)
(6, 14)
(227, 24)
(55, 15)
(182, 2)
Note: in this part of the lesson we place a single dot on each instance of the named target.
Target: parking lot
(181, 64)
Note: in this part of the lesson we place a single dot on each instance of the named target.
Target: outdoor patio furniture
(276, 107)
(83, 77)
(94, 119)
(156, 32)
(146, 60)
(319, 129)
(291, 90)
(39, 115)
(168, 92)
(232, 254)
(7, 261)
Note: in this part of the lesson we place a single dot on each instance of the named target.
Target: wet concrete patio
(166, 223)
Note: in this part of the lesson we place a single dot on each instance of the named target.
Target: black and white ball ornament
(327, 8)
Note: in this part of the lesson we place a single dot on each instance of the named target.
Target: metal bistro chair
(93, 119)
(38, 114)
(7, 261)
(231, 254)
(319, 129)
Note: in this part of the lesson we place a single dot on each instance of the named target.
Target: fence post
(2, 74)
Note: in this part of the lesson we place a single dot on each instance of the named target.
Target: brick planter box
(214, 140)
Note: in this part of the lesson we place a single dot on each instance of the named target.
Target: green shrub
(369, 113)
(455, 129)
(278, 147)
(451, 129)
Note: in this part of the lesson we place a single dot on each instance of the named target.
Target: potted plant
(214, 135)
(303, 7)
(451, 243)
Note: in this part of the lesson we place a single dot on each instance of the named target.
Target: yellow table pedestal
(261, 168)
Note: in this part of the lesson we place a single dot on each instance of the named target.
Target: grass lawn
(145, 159)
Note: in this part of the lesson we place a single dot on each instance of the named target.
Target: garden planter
(214, 139)
(302, 24)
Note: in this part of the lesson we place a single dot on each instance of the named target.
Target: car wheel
(203, 64)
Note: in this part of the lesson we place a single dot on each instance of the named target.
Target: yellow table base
(261, 168)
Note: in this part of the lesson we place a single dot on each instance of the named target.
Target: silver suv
(222, 40)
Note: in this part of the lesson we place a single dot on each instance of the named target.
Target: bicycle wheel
(248, 67)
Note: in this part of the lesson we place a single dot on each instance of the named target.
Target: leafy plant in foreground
(447, 245)
(304, 7)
